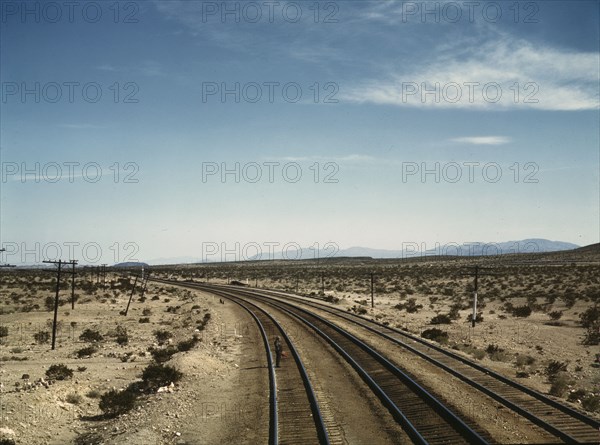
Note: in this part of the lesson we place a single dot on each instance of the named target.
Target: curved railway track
(566, 423)
(424, 418)
(295, 418)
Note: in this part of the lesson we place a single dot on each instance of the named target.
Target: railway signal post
(477, 272)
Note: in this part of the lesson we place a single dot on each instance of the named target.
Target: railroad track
(295, 418)
(424, 418)
(566, 423)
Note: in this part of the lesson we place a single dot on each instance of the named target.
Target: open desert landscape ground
(186, 367)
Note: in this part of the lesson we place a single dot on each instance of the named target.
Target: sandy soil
(219, 400)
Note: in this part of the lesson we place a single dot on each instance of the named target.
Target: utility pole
(73, 273)
(130, 296)
(322, 283)
(475, 296)
(104, 276)
(372, 281)
(145, 281)
(60, 263)
(73, 287)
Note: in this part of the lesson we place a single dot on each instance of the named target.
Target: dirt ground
(220, 398)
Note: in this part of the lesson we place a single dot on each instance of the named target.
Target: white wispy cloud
(504, 73)
(482, 140)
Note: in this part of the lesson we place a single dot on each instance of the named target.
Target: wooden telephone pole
(144, 280)
(372, 290)
(58, 271)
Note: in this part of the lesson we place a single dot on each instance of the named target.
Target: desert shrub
(454, 311)
(59, 372)
(441, 319)
(91, 335)
(410, 306)
(522, 374)
(86, 352)
(146, 312)
(122, 337)
(560, 384)
(478, 354)
(491, 348)
(3, 331)
(74, 398)
(41, 337)
(186, 345)
(356, 309)
(569, 300)
(590, 316)
(164, 354)
(93, 394)
(497, 354)
(162, 336)
(6, 441)
(523, 360)
(448, 291)
(555, 315)
(554, 367)
(500, 356)
(156, 375)
(114, 403)
(521, 311)
(591, 403)
(49, 303)
(144, 320)
(592, 336)
(332, 299)
(435, 334)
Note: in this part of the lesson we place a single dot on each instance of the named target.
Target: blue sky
(161, 119)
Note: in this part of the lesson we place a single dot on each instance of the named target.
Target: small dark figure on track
(278, 351)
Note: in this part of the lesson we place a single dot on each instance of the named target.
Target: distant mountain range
(410, 250)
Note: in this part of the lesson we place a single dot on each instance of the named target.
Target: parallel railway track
(566, 423)
(424, 418)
